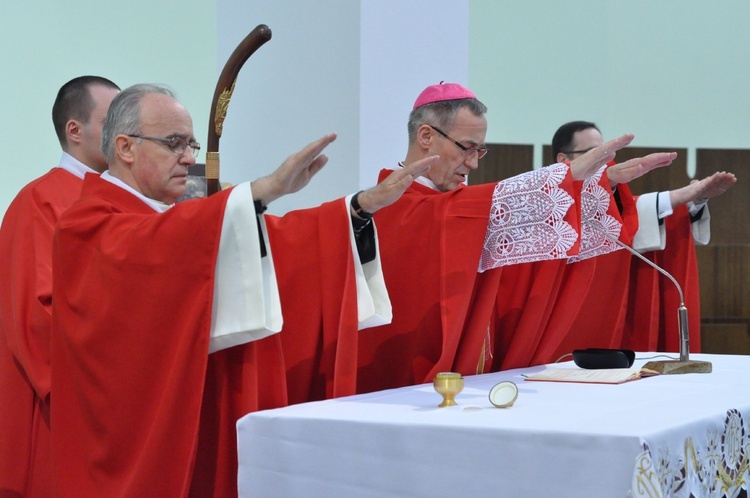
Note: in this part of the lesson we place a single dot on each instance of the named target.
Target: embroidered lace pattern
(595, 201)
(716, 465)
(526, 221)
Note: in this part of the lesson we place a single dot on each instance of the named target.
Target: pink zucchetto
(442, 92)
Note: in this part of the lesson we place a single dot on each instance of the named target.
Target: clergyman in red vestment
(615, 300)
(670, 224)
(166, 318)
(26, 286)
(445, 245)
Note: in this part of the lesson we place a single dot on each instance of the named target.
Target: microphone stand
(684, 364)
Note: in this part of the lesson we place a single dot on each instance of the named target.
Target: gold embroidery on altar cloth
(717, 466)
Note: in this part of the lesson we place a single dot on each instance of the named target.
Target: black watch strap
(358, 209)
(260, 208)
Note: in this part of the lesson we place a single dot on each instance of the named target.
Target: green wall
(46, 43)
(674, 72)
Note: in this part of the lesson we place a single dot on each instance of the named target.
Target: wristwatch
(358, 209)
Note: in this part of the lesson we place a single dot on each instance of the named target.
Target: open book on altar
(603, 376)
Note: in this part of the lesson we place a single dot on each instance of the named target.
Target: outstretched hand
(294, 173)
(633, 168)
(389, 190)
(589, 163)
(700, 191)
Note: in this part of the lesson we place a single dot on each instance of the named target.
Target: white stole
(246, 304)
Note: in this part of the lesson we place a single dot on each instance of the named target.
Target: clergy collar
(156, 205)
(74, 166)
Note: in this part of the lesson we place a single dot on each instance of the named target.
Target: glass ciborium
(448, 385)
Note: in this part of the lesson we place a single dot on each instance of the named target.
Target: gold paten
(504, 394)
(448, 385)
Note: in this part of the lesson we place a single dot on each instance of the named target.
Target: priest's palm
(589, 163)
(389, 190)
(295, 173)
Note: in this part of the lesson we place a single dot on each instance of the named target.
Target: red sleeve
(629, 214)
(26, 272)
(652, 316)
(315, 270)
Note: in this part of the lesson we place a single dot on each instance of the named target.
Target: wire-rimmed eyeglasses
(583, 151)
(178, 145)
(480, 151)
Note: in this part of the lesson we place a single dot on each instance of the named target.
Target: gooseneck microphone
(684, 364)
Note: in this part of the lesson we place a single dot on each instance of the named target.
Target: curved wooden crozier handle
(223, 93)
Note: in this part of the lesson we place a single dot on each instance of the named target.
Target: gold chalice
(448, 385)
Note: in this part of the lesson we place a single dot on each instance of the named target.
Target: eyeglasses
(178, 145)
(578, 151)
(467, 151)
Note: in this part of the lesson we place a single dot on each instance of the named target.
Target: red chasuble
(560, 307)
(651, 323)
(149, 412)
(547, 309)
(611, 301)
(318, 295)
(25, 321)
(431, 244)
(139, 401)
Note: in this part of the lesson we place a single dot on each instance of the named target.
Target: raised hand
(700, 191)
(294, 173)
(389, 190)
(589, 163)
(633, 168)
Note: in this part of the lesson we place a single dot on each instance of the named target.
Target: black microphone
(684, 364)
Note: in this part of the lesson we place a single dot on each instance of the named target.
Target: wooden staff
(223, 93)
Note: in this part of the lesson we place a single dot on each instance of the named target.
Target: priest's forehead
(165, 116)
(587, 139)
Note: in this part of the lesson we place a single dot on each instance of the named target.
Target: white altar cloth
(669, 435)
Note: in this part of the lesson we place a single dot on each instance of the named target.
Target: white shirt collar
(155, 205)
(423, 180)
(74, 166)
(426, 182)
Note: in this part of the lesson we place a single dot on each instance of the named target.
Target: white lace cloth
(595, 201)
(527, 224)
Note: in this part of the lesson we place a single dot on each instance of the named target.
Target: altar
(667, 435)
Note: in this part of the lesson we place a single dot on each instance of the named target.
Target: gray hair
(441, 114)
(124, 115)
